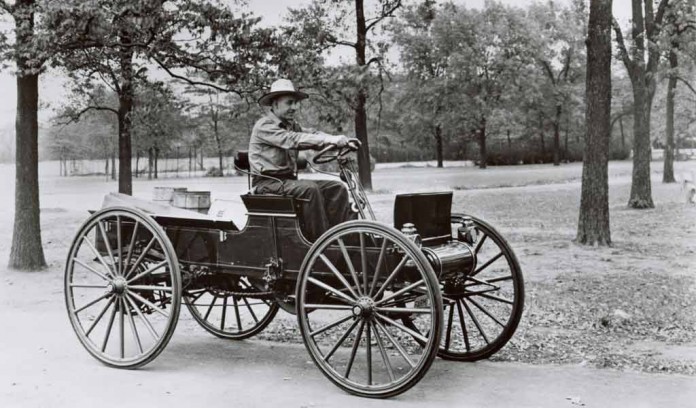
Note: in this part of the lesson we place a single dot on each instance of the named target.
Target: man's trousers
(327, 202)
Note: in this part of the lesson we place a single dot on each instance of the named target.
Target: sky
(272, 13)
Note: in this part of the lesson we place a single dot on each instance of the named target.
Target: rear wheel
(359, 280)
(122, 287)
(236, 312)
(482, 308)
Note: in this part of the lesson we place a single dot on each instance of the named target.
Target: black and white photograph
(342, 203)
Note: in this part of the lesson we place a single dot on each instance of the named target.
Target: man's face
(285, 107)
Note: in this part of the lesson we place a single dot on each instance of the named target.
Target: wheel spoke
(131, 321)
(363, 261)
(486, 312)
(251, 311)
(84, 286)
(135, 307)
(339, 276)
(121, 327)
(391, 277)
(147, 272)
(108, 247)
(368, 351)
(356, 343)
(330, 325)
(400, 292)
(150, 288)
(342, 296)
(210, 308)
(142, 255)
(463, 324)
(396, 344)
(98, 255)
(476, 322)
(487, 264)
(236, 313)
(109, 327)
(493, 297)
(380, 259)
(92, 302)
(448, 335)
(349, 263)
(327, 307)
(403, 328)
(99, 316)
(404, 310)
(340, 340)
(120, 247)
(224, 313)
(502, 278)
(89, 268)
(480, 244)
(130, 247)
(383, 352)
(148, 303)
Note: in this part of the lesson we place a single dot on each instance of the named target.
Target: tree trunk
(137, 162)
(482, 144)
(557, 136)
(113, 165)
(125, 108)
(641, 190)
(156, 161)
(623, 136)
(106, 168)
(26, 252)
(149, 163)
(593, 221)
(668, 170)
(364, 170)
(438, 145)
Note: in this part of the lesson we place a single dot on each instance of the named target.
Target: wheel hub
(364, 307)
(117, 286)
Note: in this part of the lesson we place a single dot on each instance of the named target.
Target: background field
(630, 307)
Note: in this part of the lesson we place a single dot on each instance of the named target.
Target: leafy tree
(680, 33)
(325, 24)
(491, 50)
(645, 32)
(122, 38)
(556, 46)
(593, 223)
(29, 52)
(426, 88)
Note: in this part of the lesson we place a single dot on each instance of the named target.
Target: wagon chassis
(375, 304)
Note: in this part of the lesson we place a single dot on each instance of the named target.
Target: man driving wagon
(275, 142)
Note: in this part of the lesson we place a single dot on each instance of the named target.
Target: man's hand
(343, 141)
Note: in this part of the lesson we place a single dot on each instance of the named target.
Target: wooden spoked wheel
(482, 307)
(356, 285)
(234, 313)
(122, 287)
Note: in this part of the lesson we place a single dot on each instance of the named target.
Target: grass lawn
(629, 306)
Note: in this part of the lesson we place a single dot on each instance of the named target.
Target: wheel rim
(354, 332)
(483, 308)
(122, 287)
(230, 315)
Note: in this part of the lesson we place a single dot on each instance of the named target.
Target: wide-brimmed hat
(278, 88)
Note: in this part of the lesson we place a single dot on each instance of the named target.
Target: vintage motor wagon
(375, 304)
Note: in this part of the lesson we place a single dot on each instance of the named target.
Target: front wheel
(483, 306)
(359, 281)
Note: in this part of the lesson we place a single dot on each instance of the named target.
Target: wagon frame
(375, 304)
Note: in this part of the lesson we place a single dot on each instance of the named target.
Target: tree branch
(192, 82)
(623, 52)
(685, 82)
(385, 14)
(75, 117)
